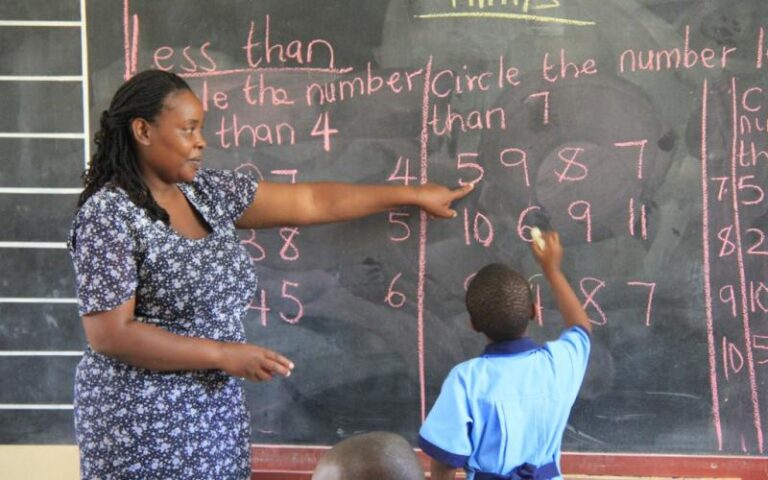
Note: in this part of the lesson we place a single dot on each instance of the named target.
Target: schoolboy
(370, 456)
(502, 415)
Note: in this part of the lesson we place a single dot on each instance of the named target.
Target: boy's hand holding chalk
(536, 235)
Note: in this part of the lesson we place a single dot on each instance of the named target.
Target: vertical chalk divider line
(126, 41)
(424, 155)
(707, 271)
(742, 274)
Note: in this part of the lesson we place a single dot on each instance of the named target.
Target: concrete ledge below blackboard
(60, 462)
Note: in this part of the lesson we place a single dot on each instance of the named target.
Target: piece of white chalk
(536, 235)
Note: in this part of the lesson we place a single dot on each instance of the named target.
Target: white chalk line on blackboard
(35, 406)
(39, 23)
(37, 300)
(41, 78)
(73, 135)
(85, 85)
(39, 190)
(33, 245)
(40, 353)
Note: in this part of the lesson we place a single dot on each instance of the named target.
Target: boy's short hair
(499, 302)
(370, 456)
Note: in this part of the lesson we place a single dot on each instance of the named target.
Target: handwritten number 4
(323, 129)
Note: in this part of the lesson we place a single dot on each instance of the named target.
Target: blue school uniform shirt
(509, 406)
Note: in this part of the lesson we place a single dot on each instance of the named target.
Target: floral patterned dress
(137, 423)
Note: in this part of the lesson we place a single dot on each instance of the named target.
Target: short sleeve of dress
(445, 434)
(231, 191)
(102, 254)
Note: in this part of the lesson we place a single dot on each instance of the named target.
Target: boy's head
(370, 456)
(499, 302)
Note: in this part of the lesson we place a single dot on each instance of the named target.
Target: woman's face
(174, 151)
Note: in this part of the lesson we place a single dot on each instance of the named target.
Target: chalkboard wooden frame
(271, 462)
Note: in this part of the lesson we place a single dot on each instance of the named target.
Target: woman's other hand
(253, 362)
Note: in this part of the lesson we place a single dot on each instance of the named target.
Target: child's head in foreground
(499, 303)
(370, 456)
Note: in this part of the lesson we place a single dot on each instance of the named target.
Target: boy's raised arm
(549, 259)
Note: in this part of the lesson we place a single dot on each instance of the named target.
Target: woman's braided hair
(115, 161)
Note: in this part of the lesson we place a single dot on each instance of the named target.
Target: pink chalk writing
(523, 230)
(707, 267)
(265, 52)
(291, 172)
(675, 58)
(723, 187)
(753, 156)
(760, 342)
(597, 284)
(545, 107)
(325, 131)
(289, 251)
(539, 310)
(445, 121)
(759, 241)
(643, 220)
(641, 144)
(469, 279)
(322, 93)
(126, 42)
(758, 193)
(299, 306)
(135, 44)
(728, 296)
(522, 161)
(651, 289)
(251, 244)
(232, 132)
(733, 359)
(261, 307)
(567, 69)
(423, 178)
(395, 298)
(463, 165)
(169, 59)
(447, 82)
(402, 171)
(264, 94)
(395, 219)
(756, 290)
(569, 155)
(727, 245)
(482, 229)
(585, 216)
(742, 275)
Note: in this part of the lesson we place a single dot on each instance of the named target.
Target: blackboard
(636, 128)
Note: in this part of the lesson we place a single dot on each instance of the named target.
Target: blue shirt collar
(511, 347)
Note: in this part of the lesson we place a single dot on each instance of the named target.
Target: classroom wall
(39, 462)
